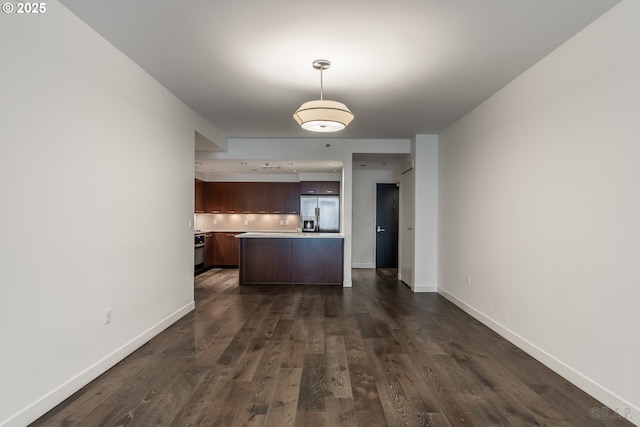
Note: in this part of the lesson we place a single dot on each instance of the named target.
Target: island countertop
(289, 235)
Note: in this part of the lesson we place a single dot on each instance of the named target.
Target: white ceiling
(212, 168)
(405, 67)
(217, 167)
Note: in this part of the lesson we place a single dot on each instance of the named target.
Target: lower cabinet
(317, 261)
(226, 250)
(296, 261)
(265, 260)
(209, 250)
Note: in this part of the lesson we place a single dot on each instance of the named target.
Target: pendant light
(323, 115)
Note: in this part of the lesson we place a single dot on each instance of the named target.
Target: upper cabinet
(199, 196)
(258, 194)
(276, 197)
(213, 197)
(222, 197)
(318, 188)
(230, 197)
(284, 197)
(251, 197)
(291, 198)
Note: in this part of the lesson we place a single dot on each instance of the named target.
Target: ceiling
(404, 68)
(371, 161)
(279, 167)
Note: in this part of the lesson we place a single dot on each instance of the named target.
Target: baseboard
(59, 394)
(347, 284)
(622, 408)
(362, 265)
(424, 288)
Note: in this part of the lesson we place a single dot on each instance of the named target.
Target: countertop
(289, 235)
(244, 231)
(215, 231)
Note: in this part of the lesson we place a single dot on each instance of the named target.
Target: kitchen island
(291, 258)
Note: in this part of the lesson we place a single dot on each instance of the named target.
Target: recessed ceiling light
(268, 166)
(198, 163)
(289, 164)
(336, 164)
(244, 163)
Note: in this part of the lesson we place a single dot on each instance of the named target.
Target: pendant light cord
(321, 84)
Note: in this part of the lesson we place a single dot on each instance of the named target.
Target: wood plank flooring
(284, 355)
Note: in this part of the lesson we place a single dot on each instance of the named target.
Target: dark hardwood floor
(283, 355)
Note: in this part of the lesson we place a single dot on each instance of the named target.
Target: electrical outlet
(281, 222)
(468, 280)
(246, 222)
(286, 222)
(107, 316)
(215, 222)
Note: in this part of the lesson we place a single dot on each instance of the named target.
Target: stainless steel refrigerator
(324, 211)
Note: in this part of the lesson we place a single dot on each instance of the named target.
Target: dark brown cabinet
(213, 197)
(291, 198)
(209, 250)
(221, 197)
(230, 197)
(276, 197)
(199, 196)
(291, 260)
(285, 198)
(320, 188)
(265, 261)
(249, 197)
(226, 251)
(244, 196)
(317, 261)
(260, 197)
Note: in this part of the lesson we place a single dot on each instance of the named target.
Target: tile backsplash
(246, 222)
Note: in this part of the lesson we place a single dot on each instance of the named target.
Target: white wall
(539, 204)
(364, 215)
(406, 229)
(424, 151)
(96, 178)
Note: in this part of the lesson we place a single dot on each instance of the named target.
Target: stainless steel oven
(199, 252)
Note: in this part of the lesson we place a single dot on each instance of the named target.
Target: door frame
(406, 238)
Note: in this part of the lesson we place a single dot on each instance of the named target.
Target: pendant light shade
(323, 115)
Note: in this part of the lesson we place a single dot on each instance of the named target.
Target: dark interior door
(387, 200)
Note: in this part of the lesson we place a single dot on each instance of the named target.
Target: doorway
(387, 202)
